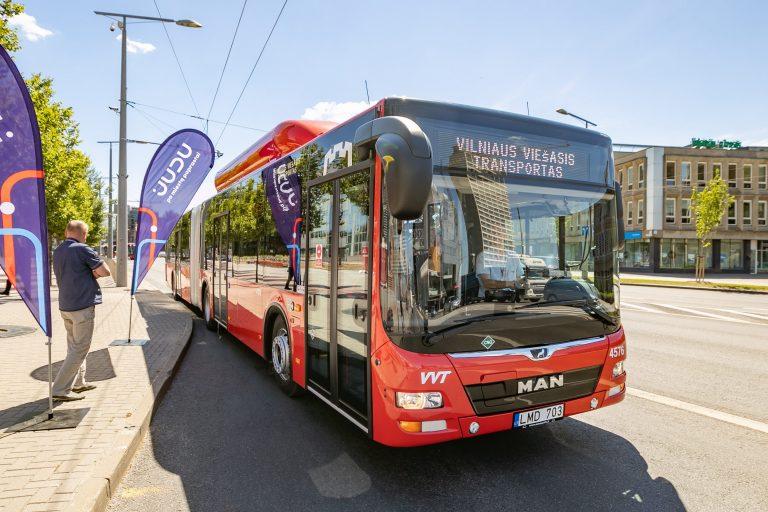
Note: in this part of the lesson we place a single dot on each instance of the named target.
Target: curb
(94, 495)
(726, 290)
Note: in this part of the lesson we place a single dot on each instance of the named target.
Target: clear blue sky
(645, 72)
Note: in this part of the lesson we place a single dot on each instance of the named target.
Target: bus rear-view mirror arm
(619, 216)
(406, 156)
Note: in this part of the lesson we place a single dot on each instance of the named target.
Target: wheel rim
(281, 355)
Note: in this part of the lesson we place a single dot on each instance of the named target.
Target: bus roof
(278, 142)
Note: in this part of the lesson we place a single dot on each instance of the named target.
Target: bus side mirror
(619, 216)
(406, 156)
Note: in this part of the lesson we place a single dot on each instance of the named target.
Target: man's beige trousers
(79, 326)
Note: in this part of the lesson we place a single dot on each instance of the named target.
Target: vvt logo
(539, 353)
(435, 377)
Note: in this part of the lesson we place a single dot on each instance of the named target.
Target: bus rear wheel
(210, 323)
(281, 358)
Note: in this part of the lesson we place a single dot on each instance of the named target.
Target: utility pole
(121, 279)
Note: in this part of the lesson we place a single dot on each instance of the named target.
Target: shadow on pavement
(237, 443)
(22, 412)
(98, 367)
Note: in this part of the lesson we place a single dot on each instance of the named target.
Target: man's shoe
(81, 389)
(68, 398)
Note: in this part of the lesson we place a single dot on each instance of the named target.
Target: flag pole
(50, 381)
(130, 319)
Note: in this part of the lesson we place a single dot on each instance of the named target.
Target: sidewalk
(748, 279)
(74, 469)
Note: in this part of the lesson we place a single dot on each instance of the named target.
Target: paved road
(226, 439)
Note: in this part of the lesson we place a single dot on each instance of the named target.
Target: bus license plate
(538, 416)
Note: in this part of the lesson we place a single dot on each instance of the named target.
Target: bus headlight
(428, 400)
(618, 369)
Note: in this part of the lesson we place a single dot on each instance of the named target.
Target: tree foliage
(72, 186)
(8, 36)
(709, 205)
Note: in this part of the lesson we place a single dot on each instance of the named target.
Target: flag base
(129, 343)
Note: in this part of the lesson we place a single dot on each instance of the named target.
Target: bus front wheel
(281, 358)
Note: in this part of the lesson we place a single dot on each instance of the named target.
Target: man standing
(76, 267)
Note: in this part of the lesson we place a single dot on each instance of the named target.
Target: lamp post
(110, 236)
(566, 113)
(121, 277)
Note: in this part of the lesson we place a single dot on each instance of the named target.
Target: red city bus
(431, 271)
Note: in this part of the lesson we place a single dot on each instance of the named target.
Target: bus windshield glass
(502, 258)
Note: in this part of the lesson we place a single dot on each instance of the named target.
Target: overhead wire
(149, 117)
(178, 62)
(226, 61)
(185, 114)
(258, 59)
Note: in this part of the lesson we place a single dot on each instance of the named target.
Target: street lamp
(121, 277)
(566, 113)
(110, 238)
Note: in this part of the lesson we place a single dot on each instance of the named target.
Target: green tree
(709, 205)
(72, 186)
(8, 36)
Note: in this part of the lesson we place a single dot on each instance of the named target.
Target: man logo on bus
(530, 385)
(539, 353)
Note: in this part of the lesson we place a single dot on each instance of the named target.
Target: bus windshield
(534, 255)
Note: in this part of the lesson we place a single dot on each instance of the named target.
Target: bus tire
(280, 357)
(210, 323)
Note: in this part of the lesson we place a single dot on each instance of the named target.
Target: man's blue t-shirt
(73, 264)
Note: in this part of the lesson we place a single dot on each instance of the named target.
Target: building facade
(656, 184)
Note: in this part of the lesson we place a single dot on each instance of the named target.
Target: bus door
(221, 258)
(337, 287)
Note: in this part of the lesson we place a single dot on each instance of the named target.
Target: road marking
(698, 409)
(641, 308)
(752, 315)
(703, 313)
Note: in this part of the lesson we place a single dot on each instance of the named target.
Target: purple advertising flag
(175, 172)
(24, 228)
(283, 190)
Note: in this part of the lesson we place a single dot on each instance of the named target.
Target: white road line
(752, 315)
(703, 313)
(703, 411)
(641, 308)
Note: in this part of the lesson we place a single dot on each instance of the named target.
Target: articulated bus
(431, 271)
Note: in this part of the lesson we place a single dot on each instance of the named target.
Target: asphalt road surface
(691, 435)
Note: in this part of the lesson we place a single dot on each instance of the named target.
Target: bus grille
(503, 396)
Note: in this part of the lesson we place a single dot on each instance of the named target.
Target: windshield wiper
(584, 304)
(461, 323)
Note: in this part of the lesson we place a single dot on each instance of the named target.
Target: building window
(730, 254)
(746, 213)
(685, 174)
(685, 211)
(717, 170)
(762, 176)
(669, 210)
(732, 214)
(640, 212)
(629, 213)
(747, 169)
(637, 254)
(701, 173)
(682, 252)
(762, 213)
(630, 177)
(641, 176)
(732, 175)
(670, 174)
